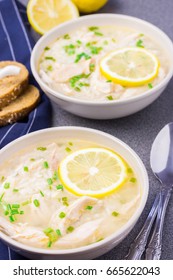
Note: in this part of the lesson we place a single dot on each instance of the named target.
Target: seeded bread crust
(12, 86)
(20, 107)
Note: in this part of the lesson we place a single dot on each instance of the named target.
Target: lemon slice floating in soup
(93, 171)
(130, 66)
(44, 15)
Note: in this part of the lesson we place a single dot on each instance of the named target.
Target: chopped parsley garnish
(58, 232)
(41, 148)
(36, 202)
(45, 164)
(66, 36)
(150, 85)
(59, 187)
(110, 97)
(6, 185)
(50, 58)
(49, 68)
(62, 215)
(49, 181)
(25, 168)
(70, 49)
(139, 44)
(89, 207)
(15, 190)
(46, 48)
(115, 214)
(70, 229)
(79, 56)
(68, 149)
(133, 180)
(42, 194)
(92, 67)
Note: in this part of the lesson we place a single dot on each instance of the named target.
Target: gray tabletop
(138, 130)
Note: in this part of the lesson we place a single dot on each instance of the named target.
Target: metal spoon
(161, 160)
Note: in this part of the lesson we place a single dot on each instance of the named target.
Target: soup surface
(36, 208)
(71, 64)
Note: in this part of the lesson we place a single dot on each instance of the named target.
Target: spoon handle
(154, 248)
(138, 246)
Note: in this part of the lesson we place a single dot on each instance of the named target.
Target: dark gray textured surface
(138, 130)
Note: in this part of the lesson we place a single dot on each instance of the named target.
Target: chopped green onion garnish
(2, 178)
(64, 198)
(129, 170)
(59, 187)
(113, 40)
(49, 244)
(79, 42)
(15, 205)
(26, 203)
(48, 231)
(58, 232)
(55, 176)
(49, 68)
(62, 215)
(110, 97)
(79, 56)
(21, 212)
(70, 49)
(12, 219)
(36, 202)
(14, 211)
(70, 229)
(50, 58)
(133, 180)
(139, 44)
(32, 159)
(100, 239)
(42, 194)
(6, 213)
(68, 149)
(98, 33)
(49, 181)
(46, 48)
(95, 50)
(41, 148)
(115, 214)
(105, 42)
(150, 85)
(109, 81)
(6, 186)
(93, 28)
(92, 67)
(1, 197)
(26, 168)
(15, 190)
(89, 207)
(66, 36)
(45, 164)
(70, 143)
(75, 79)
(77, 89)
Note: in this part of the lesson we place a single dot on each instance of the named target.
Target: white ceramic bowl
(113, 109)
(99, 248)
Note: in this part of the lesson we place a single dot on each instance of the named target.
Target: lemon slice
(43, 15)
(89, 6)
(130, 66)
(94, 172)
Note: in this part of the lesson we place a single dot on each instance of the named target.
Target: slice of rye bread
(20, 107)
(12, 86)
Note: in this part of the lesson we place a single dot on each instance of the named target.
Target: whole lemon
(89, 6)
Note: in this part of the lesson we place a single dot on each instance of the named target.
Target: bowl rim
(132, 99)
(111, 238)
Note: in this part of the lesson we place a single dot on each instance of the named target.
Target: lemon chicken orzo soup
(103, 63)
(66, 194)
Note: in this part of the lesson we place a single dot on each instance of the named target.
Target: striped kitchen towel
(16, 44)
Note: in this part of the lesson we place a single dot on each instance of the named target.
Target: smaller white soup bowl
(116, 108)
(99, 248)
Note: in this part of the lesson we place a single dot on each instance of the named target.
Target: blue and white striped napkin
(16, 44)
